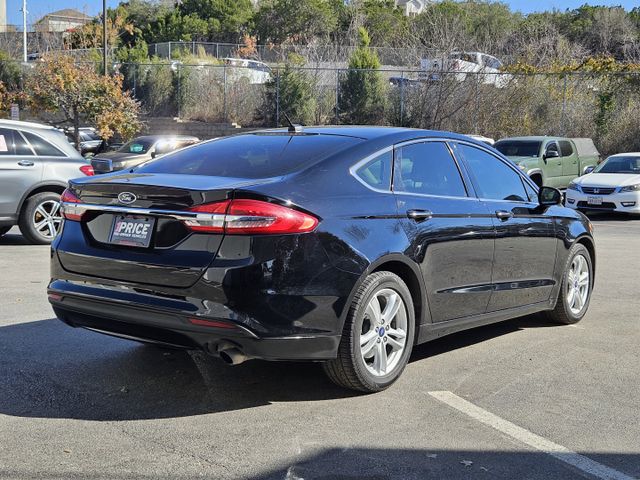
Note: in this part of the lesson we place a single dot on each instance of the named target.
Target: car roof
(535, 138)
(628, 154)
(19, 124)
(153, 138)
(365, 132)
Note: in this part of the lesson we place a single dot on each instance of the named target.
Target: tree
(227, 20)
(291, 92)
(299, 21)
(78, 92)
(361, 99)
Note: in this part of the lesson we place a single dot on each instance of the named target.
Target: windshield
(513, 148)
(619, 165)
(250, 156)
(137, 145)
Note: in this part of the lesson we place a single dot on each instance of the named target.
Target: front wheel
(378, 335)
(575, 291)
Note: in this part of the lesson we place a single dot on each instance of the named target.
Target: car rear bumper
(175, 329)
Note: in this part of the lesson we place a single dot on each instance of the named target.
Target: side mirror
(551, 154)
(549, 196)
(153, 154)
(589, 169)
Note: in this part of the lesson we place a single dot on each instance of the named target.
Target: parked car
(460, 65)
(404, 82)
(36, 162)
(550, 161)
(614, 185)
(90, 142)
(301, 244)
(139, 150)
(255, 72)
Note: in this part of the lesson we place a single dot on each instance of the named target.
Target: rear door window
(251, 156)
(428, 169)
(566, 150)
(41, 146)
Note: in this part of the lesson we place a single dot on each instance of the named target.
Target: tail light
(70, 206)
(249, 217)
(87, 170)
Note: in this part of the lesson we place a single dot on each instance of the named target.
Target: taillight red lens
(250, 217)
(257, 217)
(87, 170)
(69, 210)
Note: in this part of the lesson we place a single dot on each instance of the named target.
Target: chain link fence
(605, 107)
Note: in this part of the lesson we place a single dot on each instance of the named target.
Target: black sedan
(345, 246)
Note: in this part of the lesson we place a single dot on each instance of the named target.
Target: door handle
(419, 215)
(503, 215)
(26, 163)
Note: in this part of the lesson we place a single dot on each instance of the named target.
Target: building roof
(70, 13)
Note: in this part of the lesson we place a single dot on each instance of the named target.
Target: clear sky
(37, 8)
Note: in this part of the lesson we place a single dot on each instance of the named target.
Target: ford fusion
(614, 185)
(346, 246)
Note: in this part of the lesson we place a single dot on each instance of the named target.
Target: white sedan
(614, 185)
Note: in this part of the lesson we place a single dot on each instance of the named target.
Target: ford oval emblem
(126, 198)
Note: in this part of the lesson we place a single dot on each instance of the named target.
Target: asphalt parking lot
(520, 400)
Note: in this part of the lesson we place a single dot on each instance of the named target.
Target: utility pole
(24, 30)
(104, 36)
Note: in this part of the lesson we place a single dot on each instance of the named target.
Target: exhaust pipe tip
(232, 356)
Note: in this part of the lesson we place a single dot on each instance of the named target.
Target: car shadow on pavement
(12, 238)
(49, 370)
(612, 216)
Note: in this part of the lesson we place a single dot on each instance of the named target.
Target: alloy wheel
(47, 218)
(578, 284)
(383, 336)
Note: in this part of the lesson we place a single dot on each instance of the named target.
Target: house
(62, 20)
(412, 7)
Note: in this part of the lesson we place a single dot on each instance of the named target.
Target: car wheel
(575, 291)
(378, 335)
(4, 230)
(41, 219)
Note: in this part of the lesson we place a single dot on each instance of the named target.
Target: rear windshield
(518, 148)
(619, 165)
(250, 156)
(137, 145)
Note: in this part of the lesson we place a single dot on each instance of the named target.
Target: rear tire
(378, 335)
(40, 219)
(575, 290)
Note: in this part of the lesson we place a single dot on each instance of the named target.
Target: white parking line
(525, 436)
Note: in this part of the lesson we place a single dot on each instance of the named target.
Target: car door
(552, 164)
(20, 169)
(525, 245)
(570, 164)
(451, 234)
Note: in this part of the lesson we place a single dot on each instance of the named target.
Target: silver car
(36, 162)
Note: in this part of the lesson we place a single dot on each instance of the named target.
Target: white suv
(36, 162)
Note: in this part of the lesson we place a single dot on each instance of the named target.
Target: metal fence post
(564, 107)
(277, 98)
(169, 50)
(224, 92)
(135, 78)
(402, 99)
(179, 89)
(337, 96)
